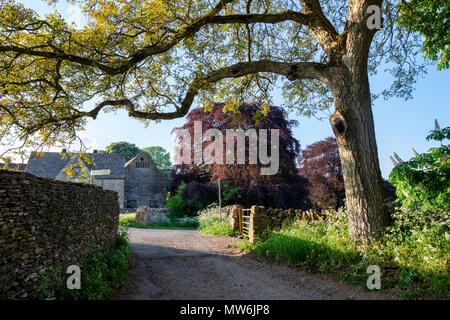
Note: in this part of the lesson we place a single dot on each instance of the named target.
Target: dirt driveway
(180, 264)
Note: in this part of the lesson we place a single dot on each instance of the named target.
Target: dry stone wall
(146, 215)
(47, 223)
(263, 220)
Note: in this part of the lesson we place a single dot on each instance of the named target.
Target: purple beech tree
(284, 189)
(321, 165)
(247, 173)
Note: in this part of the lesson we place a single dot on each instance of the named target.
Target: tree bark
(353, 126)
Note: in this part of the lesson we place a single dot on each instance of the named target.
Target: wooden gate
(244, 221)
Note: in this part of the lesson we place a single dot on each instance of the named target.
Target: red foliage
(321, 165)
(255, 188)
(247, 174)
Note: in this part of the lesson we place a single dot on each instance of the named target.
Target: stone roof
(142, 154)
(49, 164)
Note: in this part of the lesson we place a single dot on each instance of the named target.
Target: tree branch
(292, 71)
(209, 18)
(133, 60)
(322, 30)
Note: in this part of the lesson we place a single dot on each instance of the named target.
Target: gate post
(258, 223)
(234, 219)
(241, 220)
(251, 227)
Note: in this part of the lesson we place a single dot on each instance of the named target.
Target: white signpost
(220, 201)
(99, 173)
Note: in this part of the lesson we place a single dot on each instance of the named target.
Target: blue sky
(399, 124)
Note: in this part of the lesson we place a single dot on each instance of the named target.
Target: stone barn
(145, 184)
(138, 182)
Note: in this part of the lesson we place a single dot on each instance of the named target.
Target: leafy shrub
(176, 204)
(283, 196)
(198, 196)
(211, 222)
(230, 194)
(187, 173)
(423, 182)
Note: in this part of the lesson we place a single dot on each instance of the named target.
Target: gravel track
(183, 264)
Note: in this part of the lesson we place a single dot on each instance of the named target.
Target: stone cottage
(138, 182)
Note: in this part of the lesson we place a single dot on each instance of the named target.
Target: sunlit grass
(128, 221)
(415, 265)
(216, 227)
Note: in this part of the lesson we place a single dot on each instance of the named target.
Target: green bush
(211, 222)
(102, 274)
(230, 194)
(176, 204)
(423, 182)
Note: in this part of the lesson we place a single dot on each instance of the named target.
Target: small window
(153, 203)
(132, 204)
(142, 164)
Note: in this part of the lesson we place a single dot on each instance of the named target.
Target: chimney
(95, 151)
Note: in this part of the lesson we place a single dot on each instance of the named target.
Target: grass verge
(102, 274)
(216, 227)
(413, 264)
(187, 223)
(211, 221)
(244, 245)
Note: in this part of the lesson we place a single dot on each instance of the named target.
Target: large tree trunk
(353, 125)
